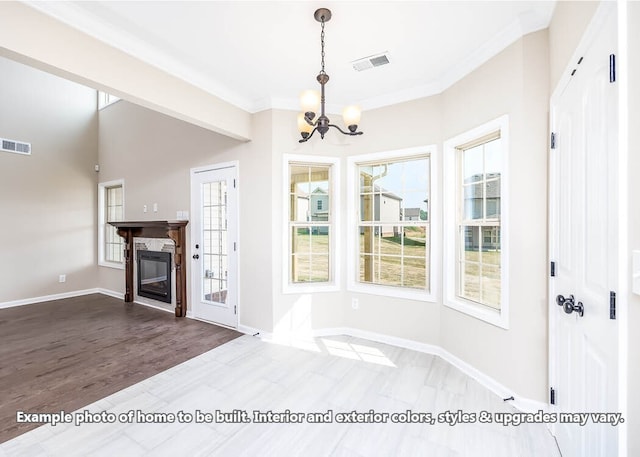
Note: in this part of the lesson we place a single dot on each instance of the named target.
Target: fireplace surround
(174, 230)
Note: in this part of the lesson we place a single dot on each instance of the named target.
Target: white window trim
(353, 219)
(334, 283)
(101, 221)
(500, 317)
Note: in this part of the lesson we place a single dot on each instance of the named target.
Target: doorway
(214, 243)
(583, 329)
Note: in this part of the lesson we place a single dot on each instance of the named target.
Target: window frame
(353, 222)
(102, 204)
(334, 283)
(452, 220)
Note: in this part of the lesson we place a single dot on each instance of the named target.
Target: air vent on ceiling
(371, 61)
(15, 146)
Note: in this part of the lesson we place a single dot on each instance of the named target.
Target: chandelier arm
(304, 140)
(345, 133)
(322, 123)
(311, 122)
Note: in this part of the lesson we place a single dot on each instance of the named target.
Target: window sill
(395, 292)
(114, 265)
(499, 318)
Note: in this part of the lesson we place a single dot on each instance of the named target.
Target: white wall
(47, 199)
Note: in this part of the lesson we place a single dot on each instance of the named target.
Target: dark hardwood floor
(66, 354)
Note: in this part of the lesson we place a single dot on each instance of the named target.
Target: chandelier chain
(322, 44)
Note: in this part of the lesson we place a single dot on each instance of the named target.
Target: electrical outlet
(144, 208)
(155, 207)
(355, 303)
(62, 278)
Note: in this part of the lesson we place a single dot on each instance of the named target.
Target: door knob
(560, 300)
(569, 305)
(196, 256)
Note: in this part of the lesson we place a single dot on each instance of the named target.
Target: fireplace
(154, 275)
(174, 230)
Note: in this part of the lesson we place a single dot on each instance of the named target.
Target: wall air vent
(370, 62)
(15, 146)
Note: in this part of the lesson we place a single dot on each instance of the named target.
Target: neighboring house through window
(391, 239)
(311, 219)
(475, 222)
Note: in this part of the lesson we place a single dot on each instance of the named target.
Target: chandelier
(308, 124)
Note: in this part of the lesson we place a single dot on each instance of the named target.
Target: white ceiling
(262, 54)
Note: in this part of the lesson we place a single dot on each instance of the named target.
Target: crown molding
(75, 17)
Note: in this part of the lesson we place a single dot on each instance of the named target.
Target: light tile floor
(337, 374)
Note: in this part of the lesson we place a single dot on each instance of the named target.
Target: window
(111, 209)
(390, 230)
(475, 223)
(311, 218)
(478, 256)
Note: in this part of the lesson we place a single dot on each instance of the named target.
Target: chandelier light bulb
(303, 125)
(351, 116)
(310, 101)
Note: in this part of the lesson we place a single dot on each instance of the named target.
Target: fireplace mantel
(174, 230)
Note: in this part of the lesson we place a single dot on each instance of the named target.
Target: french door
(214, 235)
(583, 329)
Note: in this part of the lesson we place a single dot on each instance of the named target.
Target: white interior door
(214, 235)
(583, 346)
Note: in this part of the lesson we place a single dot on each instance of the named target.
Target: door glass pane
(214, 242)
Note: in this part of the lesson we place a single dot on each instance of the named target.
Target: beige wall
(634, 223)
(512, 83)
(416, 123)
(48, 198)
(138, 145)
(154, 154)
(515, 83)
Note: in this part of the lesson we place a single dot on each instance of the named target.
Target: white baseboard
(45, 298)
(251, 331)
(111, 293)
(521, 403)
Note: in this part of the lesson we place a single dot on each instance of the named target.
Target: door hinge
(612, 305)
(612, 68)
(552, 396)
(235, 309)
(553, 140)
(234, 183)
(235, 246)
(553, 269)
